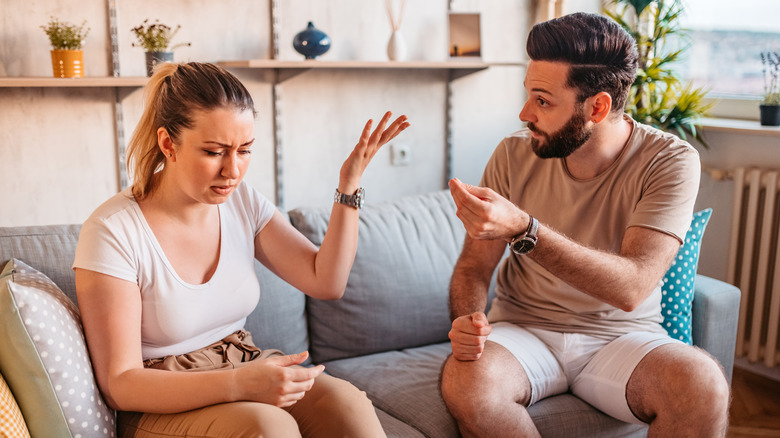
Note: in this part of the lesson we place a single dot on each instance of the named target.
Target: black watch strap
(526, 242)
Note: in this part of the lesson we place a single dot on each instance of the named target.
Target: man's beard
(563, 142)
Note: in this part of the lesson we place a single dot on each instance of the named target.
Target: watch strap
(354, 200)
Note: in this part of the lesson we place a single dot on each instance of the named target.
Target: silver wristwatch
(525, 242)
(355, 200)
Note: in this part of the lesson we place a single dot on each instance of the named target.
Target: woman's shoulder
(251, 206)
(118, 206)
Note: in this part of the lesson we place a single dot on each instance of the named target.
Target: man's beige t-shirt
(652, 184)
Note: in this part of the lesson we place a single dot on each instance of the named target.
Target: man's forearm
(466, 296)
(623, 280)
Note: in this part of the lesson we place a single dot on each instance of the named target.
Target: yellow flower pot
(67, 63)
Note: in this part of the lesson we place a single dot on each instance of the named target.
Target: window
(726, 39)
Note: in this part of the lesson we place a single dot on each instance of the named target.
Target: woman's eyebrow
(229, 146)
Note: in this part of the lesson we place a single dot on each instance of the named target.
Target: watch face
(523, 246)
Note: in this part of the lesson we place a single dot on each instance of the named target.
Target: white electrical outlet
(399, 154)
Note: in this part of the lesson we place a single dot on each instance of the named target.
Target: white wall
(58, 156)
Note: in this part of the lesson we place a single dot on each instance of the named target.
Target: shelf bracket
(276, 104)
(118, 113)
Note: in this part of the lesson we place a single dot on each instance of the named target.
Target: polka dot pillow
(44, 358)
(677, 288)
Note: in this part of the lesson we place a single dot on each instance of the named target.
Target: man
(594, 207)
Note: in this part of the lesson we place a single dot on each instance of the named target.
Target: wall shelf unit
(88, 81)
(288, 69)
(284, 70)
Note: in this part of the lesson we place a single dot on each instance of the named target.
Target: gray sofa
(388, 335)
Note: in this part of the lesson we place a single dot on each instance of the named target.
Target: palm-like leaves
(657, 96)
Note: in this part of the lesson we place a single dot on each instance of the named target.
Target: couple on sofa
(593, 205)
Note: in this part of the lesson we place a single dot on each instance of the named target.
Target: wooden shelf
(309, 64)
(88, 81)
(288, 69)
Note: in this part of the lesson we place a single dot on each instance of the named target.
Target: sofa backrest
(398, 289)
(278, 321)
(47, 248)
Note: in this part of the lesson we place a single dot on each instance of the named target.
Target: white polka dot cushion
(677, 289)
(11, 421)
(44, 358)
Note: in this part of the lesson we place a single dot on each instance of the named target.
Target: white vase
(396, 47)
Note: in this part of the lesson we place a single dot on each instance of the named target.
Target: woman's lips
(222, 190)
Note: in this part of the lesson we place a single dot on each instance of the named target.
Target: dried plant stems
(395, 23)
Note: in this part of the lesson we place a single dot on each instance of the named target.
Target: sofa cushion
(12, 423)
(397, 292)
(568, 416)
(44, 357)
(678, 284)
(279, 320)
(405, 384)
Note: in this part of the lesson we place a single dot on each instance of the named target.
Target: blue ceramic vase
(311, 42)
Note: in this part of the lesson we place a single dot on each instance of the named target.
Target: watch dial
(523, 246)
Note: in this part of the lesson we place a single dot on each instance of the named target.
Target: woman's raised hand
(366, 148)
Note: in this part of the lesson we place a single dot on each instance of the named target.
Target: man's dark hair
(601, 54)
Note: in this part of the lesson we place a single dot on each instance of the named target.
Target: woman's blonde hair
(173, 93)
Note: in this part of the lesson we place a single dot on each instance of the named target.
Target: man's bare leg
(681, 391)
(488, 396)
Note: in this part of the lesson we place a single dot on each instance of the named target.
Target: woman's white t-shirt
(178, 317)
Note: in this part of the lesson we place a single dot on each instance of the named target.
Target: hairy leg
(680, 391)
(488, 396)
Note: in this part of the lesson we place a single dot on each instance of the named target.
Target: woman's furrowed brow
(249, 143)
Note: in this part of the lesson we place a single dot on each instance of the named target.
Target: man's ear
(165, 143)
(600, 106)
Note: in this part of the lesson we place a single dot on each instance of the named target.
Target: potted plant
(67, 58)
(770, 105)
(156, 38)
(657, 97)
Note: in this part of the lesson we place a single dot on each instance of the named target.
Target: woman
(165, 276)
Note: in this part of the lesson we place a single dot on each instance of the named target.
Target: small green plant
(771, 70)
(657, 97)
(156, 37)
(64, 35)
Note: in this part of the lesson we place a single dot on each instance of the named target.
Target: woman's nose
(230, 168)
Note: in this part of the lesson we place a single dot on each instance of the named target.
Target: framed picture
(464, 35)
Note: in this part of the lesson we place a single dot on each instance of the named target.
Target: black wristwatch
(355, 200)
(526, 242)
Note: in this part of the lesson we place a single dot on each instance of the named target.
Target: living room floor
(755, 406)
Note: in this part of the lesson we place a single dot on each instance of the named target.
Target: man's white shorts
(595, 368)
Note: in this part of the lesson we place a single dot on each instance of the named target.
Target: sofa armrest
(715, 316)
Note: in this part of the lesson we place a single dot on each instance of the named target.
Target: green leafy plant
(658, 97)
(771, 71)
(64, 35)
(156, 37)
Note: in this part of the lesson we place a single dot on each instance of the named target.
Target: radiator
(754, 264)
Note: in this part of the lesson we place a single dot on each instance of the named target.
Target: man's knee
(710, 381)
(680, 380)
(495, 378)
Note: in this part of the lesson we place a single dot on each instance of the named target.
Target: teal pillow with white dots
(44, 358)
(677, 288)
